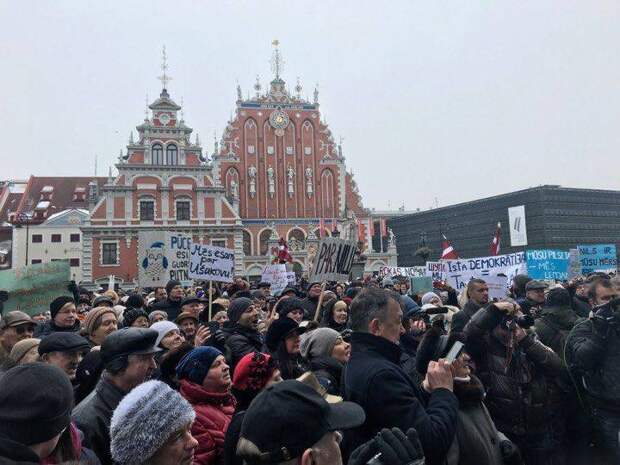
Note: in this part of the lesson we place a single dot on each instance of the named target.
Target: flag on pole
(371, 227)
(334, 224)
(495, 243)
(361, 231)
(383, 227)
(321, 227)
(448, 252)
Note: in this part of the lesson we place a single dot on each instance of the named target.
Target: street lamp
(25, 218)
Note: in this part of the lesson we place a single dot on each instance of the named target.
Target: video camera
(511, 321)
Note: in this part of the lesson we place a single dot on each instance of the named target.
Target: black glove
(390, 447)
(510, 453)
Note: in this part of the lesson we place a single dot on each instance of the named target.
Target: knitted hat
(163, 328)
(195, 365)
(319, 343)
(558, 297)
(144, 420)
(426, 298)
(253, 371)
(103, 299)
(58, 303)
(279, 330)
(93, 317)
(285, 306)
(172, 283)
(237, 308)
(36, 400)
(154, 313)
(22, 347)
(135, 301)
(132, 314)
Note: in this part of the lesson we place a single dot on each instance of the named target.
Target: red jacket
(213, 414)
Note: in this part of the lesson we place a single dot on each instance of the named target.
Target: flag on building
(383, 223)
(321, 227)
(334, 224)
(495, 243)
(448, 252)
(371, 226)
(361, 231)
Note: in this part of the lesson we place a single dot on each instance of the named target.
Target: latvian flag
(494, 249)
(448, 252)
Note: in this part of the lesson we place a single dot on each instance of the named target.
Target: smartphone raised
(455, 351)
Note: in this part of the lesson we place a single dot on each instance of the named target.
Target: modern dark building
(556, 217)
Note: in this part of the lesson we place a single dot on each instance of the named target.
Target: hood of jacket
(196, 394)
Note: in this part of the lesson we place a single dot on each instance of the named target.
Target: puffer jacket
(553, 326)
(520, 397)
(214, 411)
(241, 341)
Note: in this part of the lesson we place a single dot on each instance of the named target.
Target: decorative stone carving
(309, 188)
(290, 174)
(252, 175)
(271, 184)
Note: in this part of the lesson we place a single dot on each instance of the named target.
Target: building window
(147, 210)
(218, 242)
(56, 238)
(74, 262)
(74, 237)
(35, 261)
(109, 253)
(37, 238)
(157, 154)
(183, 210)
(247, 243)
(263, 240)
(172, 155)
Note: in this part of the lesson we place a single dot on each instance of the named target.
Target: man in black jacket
(478, 297)
(243, 336)
(172, 304)
(374, 379)
(128, 359)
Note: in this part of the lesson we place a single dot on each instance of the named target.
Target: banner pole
(210, 297)
(320, 302)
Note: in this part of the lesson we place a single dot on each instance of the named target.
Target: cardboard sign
(163, 256)
(277, 276)
(32, 288)
(497, 285)
(518, 229)
(547, 264)
(212, 263)
(436, 270)
(333, 260)
(407, 271)
(574, 265)
(459, 272)
(598, 257)
(421, 284)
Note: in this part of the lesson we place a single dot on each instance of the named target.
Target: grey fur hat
(144, 420)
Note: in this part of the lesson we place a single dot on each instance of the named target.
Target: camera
(609, 312)
(524, 321)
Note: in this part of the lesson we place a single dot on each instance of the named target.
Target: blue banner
(598, 257)
(547, 264)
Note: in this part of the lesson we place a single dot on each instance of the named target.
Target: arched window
(247, 243)
(262, 241)
(157, 154)
(172, 155)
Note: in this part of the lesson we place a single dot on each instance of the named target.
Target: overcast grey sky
(449, 99)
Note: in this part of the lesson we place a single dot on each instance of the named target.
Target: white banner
(333, 260)
(518, 230)
(407, 271)
(459, 272)
(163, 256)
(436, 270)
(497, 285)
(212, 263)
(277, 276)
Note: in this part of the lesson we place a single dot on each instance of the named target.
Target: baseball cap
(299, 418)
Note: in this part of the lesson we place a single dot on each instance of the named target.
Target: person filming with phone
(517, 371)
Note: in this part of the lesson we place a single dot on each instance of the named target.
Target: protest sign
(547, 264)
(333, 260)
(518, 228)
(459, 272)
(212, 263)
(277, 276)
(407, 271)
(435, 270)
(32, 288)
(497, 287)
(574, 265)
(421, 284)
(598, 257)
(163, 256)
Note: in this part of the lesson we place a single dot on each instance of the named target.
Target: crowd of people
(358, 372)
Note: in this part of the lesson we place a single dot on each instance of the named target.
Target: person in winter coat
(168, 337)
(255, 372)
(64, 317)
(242, 330)
(312, 300)
(172, 303)
(477, 441)
(135, 317)
(335, 315)
(534, 299)
(579, 294)
(152, 425)
(374, 379)
(291, 307)
(415, 327)
(478, 296)
(519, 374)
(283, 341)
(205, 382)
(327, 353)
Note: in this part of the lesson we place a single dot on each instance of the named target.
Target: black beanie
(558, 297)
(135, 301)
(58, 303)
(237, 308)
(132, 314)
(35, 403)
(288, 305)
(172, 283)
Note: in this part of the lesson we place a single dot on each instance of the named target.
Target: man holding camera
(593, 349)
(517, 371)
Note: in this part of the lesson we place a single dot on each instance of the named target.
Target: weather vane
(277, 61)
(164, 78)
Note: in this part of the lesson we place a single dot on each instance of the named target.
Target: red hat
(253, 371)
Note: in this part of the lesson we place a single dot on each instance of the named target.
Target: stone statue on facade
(252, 175)
(271, 184)
(309, 188)
(290, 174)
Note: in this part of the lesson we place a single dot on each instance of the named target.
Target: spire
(215, 146)
(146, 108)
(164, 78)
(239, 95)
(197, 140)
(316, 94)
(298, 88)
(131, 137)
(95, 165)
(110, 175)
(277, 62)
(340, 147)
(182, 112)
(257, 86)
